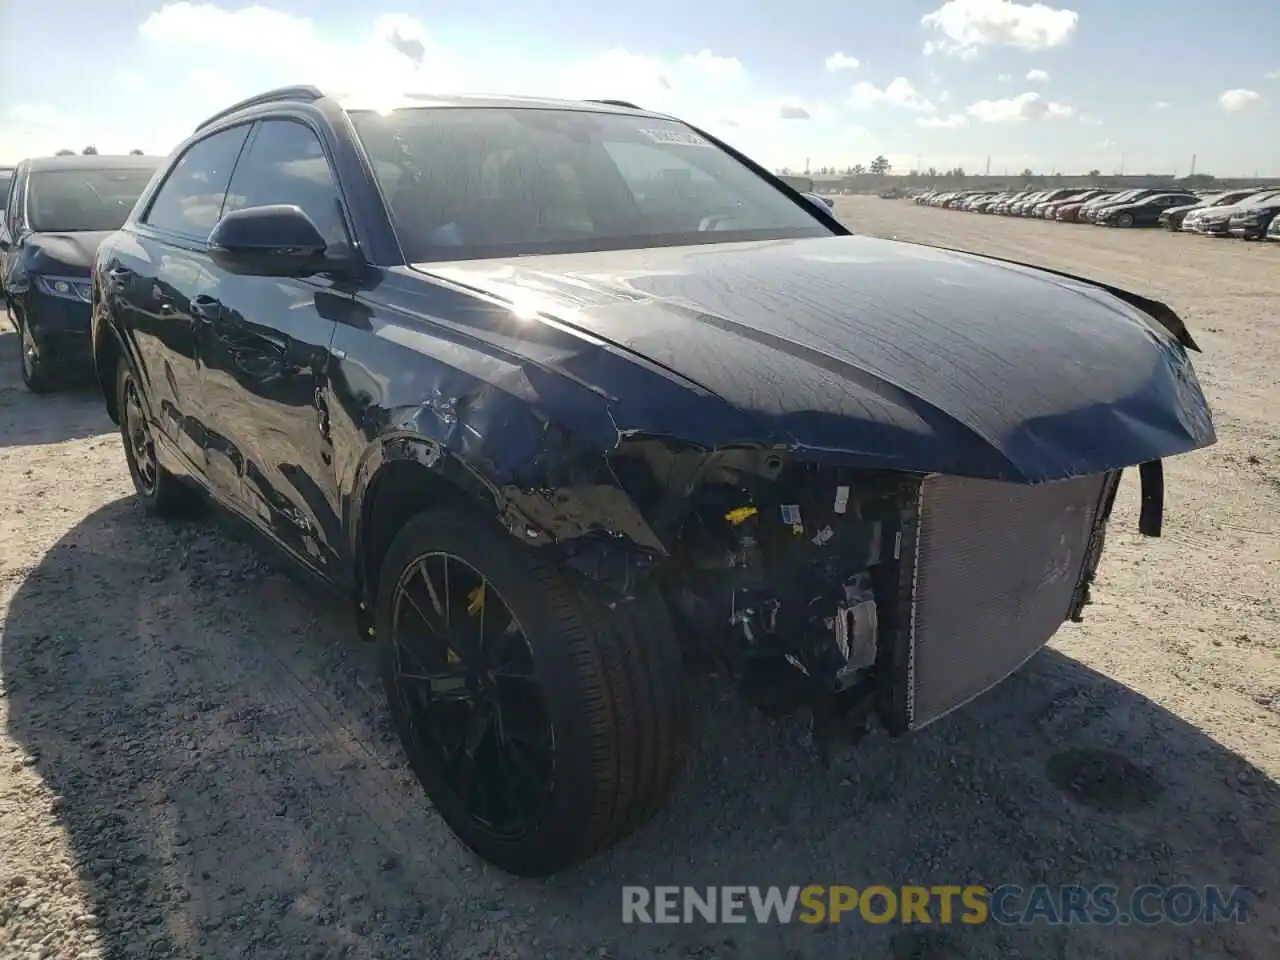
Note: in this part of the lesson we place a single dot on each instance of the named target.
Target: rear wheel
(543, 726)
(161, 493)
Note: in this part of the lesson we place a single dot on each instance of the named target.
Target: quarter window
(285, 163)
(190, 201)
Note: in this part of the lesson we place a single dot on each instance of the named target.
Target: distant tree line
(91, 151)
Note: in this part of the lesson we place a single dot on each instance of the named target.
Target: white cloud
(964, 27)
(726, 68)
(899, 93)
(1238, 99)
(1090, 121)
(249, 49)
(949, 122)
(842, 61)
(1005, 77)
(399, 55)
(1161, 105)
(944, 96)
(1037, 76)
(1023, 107)
(1272, 75)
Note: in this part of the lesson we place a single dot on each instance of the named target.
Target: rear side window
(13, 201)
(190, 201)
(285, 163)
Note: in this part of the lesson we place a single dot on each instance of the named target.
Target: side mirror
(279, 240)
(819, 201)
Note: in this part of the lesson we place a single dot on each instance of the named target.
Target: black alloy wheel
(35, 373)
(544, 724)
(465, 679)
(137, 437)
(160, 492)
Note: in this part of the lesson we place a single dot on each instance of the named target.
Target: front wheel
(543, 725)
(160, 491)
(35, 372)
(1124, 220)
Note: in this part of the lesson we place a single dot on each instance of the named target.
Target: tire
(1124, 220)
(610, 683)
(161, 493)
(35, 372)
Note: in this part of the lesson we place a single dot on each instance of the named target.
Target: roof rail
(617, 103)
(300, 92)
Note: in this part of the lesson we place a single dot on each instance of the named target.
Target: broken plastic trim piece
(1151, 518)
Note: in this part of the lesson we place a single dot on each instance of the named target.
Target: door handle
(205, 308)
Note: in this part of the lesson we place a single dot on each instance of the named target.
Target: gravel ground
(195, 759)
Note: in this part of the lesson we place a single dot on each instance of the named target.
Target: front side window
(285, 163)
(466, 182)
(79, 199)
(190, 200)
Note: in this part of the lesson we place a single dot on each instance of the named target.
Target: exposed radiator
(996, 568)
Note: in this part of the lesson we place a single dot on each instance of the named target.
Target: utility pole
(988, 173)
(1122, 163)
(1193, 166)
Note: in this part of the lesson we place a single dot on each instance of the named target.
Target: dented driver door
(264, 353)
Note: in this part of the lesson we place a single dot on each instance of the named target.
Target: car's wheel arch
(402, 475)
(108, 350)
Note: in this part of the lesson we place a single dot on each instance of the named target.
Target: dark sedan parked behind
(59, 210)
(1141, 213)
(550, 389)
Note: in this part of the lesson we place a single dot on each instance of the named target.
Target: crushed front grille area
(995, 568)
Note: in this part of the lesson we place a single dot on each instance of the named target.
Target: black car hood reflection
(73, 251)
(879, 353)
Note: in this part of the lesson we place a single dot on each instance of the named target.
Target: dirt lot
(196, 761)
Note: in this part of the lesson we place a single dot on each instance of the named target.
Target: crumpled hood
(889, 354)
(74, 251)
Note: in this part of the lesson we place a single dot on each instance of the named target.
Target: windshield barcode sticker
(683, 137)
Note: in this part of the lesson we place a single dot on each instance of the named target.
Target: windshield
(466, 182)
(66, 201)
(1255, 198)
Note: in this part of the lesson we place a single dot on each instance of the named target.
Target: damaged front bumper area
(885, 595)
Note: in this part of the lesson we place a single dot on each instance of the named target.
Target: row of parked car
(1248, 213)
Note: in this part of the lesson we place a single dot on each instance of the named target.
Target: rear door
(264, 352)
(156, 272)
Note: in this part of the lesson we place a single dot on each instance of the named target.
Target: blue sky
(1081, 85)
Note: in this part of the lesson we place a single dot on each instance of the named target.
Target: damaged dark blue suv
(565, 393)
